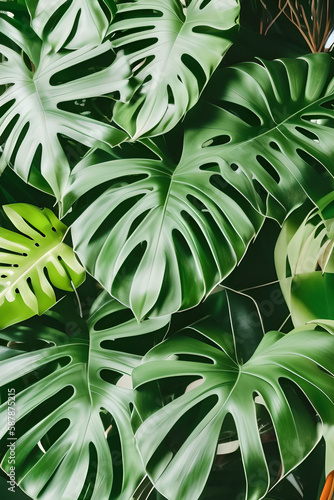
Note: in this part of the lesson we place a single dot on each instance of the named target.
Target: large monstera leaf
(34, 260)
(32, 118)
(289, 377)
(173, 47)
(305, 266)
(73, 429)
(78, 23)
(269, 125)
(161, 236)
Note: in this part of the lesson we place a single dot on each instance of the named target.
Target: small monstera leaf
(173, 47)
(32, 261)
(161, 235)
(305, 266)
(38, 83)
(75, 24)
(73, 428)
(269, 125)
(289, 375)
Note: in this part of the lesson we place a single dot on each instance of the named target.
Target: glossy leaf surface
(200, 209)
(73, 427)
(173, 49)
(38, 82)
(178, 439)
(78, 23)
(161, 236)
(33, 261)
(269, 125)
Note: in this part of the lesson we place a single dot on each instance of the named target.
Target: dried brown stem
(314, 20)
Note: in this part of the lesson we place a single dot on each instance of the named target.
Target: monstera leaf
(73, 429)
(31, 115)
(305, 267)
(173, 231)
(161, 236)
(216, 386)
(75, 24)
(173, 47)
(32, 261)
(269, 126)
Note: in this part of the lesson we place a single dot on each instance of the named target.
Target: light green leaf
(73, 429)
(173, 50)
(178, 438)
(32, 261)
(73, 24)
(31, 112)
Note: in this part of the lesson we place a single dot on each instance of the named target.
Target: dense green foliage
(173, 160)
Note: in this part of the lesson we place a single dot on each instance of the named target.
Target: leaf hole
(196, 69)
(298, 401)
(114, 319)
(136, 223)
(307, 133)
(138, 13)
(311, 161)
(328, 104)
(319, 230)
(245, 114)
(275, 146)
(93, 65)
(180, 432)
(210, 167)
(268, 167)
(55, 433)
(195, 358)
(137, 46)
(127, 270)
(91, 475)
(110, 376)
(29, 283)
(218, 140)
(204, 4)
(325, 121)
(170, 95)
(20, 141)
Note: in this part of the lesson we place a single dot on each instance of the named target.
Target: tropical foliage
(173, 161)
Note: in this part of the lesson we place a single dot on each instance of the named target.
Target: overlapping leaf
(31, 117)
(173, 47)
(73, 24)
(178, 439)
(162, 235)
(73, 429)
(34, 260)
(196, 211)
(271, 125)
